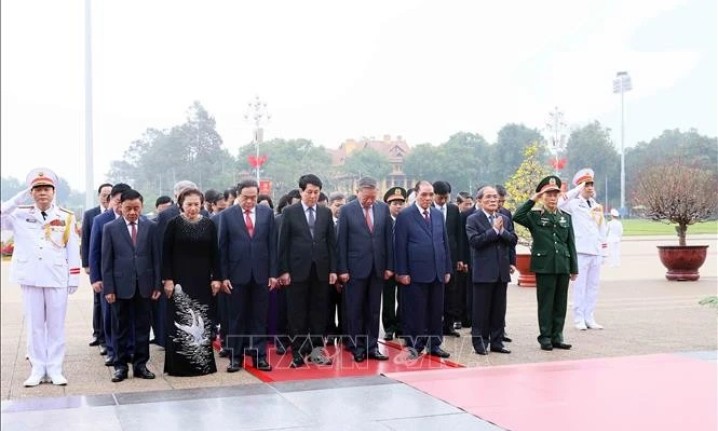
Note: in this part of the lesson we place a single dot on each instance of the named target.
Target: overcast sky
(332, 70)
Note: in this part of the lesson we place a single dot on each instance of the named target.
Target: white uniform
(46, 264)
(615, 232)
(590, 235)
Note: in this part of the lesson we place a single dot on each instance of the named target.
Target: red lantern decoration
(558, 164)
(256, 162)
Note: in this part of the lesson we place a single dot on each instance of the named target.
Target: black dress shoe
(223, 353)
(119, 375)
(481, 352)
(561, 345)
(95, 342)
(143, 373)
(450, 332)
(547, 347)
(457, 325)
(234, 366)
(506, 339)
(297, 361)
(359, 357)
(500, 350)
(109, 362)
(262, 365)
(439, 353)
(377, 355)
(103, 350)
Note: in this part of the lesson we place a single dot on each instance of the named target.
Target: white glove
(16, 200)
(71, 289)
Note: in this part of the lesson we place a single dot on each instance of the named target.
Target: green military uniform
(553, 259)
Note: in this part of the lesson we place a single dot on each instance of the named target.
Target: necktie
(133, 229)
(491, 220)
(311, 220)
(248, 223)
(369, 224)
(44, 215)
(426, 217)
(443, 212)
(588, 201)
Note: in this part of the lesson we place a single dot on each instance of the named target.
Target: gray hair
(182, 185)
(366, 183)
(482, 190)
(336, 196)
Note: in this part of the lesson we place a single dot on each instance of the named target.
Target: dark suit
(309, 260)
(365, 255)
(132, 273)
(468, 288)
(109, 323)
(452, 298)
(248, 262)
(490, 263)
(97, 330)
(553, 259)
(421, 250)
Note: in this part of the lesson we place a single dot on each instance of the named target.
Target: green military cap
(552, 182)
(395, 194)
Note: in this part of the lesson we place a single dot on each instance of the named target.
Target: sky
(330, 71)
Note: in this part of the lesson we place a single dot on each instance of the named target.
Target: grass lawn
(637, 227)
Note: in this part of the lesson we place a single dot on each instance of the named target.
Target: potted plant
(679, 194)
(519, 188)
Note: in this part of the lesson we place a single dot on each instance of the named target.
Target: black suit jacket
(454, 232)
(298, 249)
(489, 250)
(87, 218)
(465, 248)
(359, 249)
(126, 267)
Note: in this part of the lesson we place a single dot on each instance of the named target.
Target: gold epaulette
(65, 210)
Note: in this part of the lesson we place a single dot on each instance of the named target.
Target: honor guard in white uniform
(590, 231)
(46, 264)
(615, 232)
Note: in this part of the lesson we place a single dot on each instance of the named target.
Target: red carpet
(343, 365)
(654, 392)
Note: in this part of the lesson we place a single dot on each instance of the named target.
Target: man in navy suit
(248, 260)
(307, 262)
(365, 261)
(130, 277)
(423, 266)
(103, 195)
(491, 237)
(114, 211)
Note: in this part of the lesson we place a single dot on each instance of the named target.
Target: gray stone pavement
(643, 313)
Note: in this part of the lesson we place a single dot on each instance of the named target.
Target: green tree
(522, 184)
(591, 147)
(423, 162)
(507, 154)
(463, 162)
(287, 160)
(367, 162)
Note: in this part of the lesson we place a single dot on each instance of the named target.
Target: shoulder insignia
(25, 207)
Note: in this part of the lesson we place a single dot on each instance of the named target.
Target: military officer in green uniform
(553, 259)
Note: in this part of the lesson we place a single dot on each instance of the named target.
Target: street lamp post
(555, 126)
(621, 84)
(257, 113)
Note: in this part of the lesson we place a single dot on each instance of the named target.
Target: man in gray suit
(365, 261)
(130, 276)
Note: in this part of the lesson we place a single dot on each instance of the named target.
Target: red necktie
(133, 230)
(369, 224)
(248, 223)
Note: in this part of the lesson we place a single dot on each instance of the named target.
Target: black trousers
(489, 315)
(98, 331)
(363, 304)
(136, 310)
(469, 300)
(335, 313)
(391, 305)
(248, 304)
(452, 303)
(422, 309)
(307, 312)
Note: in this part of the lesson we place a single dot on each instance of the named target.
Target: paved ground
(643, 313)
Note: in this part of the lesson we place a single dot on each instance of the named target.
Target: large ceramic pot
(682, 262)
(526, 277)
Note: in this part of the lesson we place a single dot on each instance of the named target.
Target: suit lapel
(124, 232)
(420, 217)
